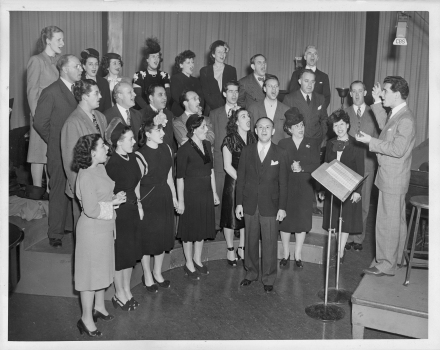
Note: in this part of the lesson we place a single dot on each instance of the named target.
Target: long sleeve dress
(94, 251)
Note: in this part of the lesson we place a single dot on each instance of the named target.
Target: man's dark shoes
(55, 242)
(284, 262)
(245, 282)
(357, 246)
(375, 272)
(268, 288)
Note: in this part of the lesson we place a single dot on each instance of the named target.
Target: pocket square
(319, 107)
(273, 162)
(320, 82)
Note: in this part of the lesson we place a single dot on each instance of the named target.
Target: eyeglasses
(78, 67)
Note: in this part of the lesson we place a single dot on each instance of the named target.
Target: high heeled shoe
(124, 307)
(284, 261)
(152, 289)
(83, 329)
(299, 263)
(238, 255)
(193, 275)
(164, 284)
(232, 262)
(134, 302)
(202, 269)
(96, 314)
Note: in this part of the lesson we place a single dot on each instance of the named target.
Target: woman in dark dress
(143, 79)
(215, 75)
(238, 136)
(123, 169)
(303, 159)
(158, 198)
(184, 80)
(345, 149)
(197, 194)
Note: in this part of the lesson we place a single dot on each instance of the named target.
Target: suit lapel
(268, 159)
(314, 104)
(256, 160)
(300, 99)
(396, 117)
(67, 93)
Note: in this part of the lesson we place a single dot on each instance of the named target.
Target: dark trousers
(268, 227)
(58, 200)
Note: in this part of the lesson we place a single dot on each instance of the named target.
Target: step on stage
(384, 304)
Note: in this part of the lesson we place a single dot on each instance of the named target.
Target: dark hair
(105, 62)
(46, 33)
(121, 136)
(288, 123)
(84, 60)
(232, 126)
(82, 152)
(152, 89)
(83, 87)
(302, 71)
(183, 98)
(182, 57)
(229, 83)
(252, 60)
(264, 118)
(152, 46)
(212, 48)
(271, 77)
(145, 127)
(358, 82)
(398, 84)
(194, 125)
(337, 116)
(63, 61)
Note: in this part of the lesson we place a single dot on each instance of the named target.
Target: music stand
(341, 181)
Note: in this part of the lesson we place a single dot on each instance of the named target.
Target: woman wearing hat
(41, 72)
(217, 73)
(303, 159)
(158, 200)
(123, 169)
(94, 249)
(143, 79)
(197, 194)
(90, 63)
(345, 149)
(111, 65)
(183, 80)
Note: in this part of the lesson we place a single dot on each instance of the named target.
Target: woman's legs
(187, 250)
(241, 244)
(37, 174)
(157, 270)
(229, 238)
(198, 247)
(344, 237)
(119, 286)
(126, 279)
(285, 239)
(87, 308)
(299, 241)
(147, 270)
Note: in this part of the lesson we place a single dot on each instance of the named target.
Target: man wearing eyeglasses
(270, 108)
(54, 106)
(251, 85)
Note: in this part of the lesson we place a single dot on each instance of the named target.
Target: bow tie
(260, 79)
(338, 145)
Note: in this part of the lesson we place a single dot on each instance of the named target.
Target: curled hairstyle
(232, 126)
(84, 60)
(398, 84)
(105, 62)
(182, 57)
(83, 87)
(82, 152)
(194, 125)
(147, 126)
(63, 61)
(121, 137)
(46, 33)
(213, 47)
(152, 46)
(289, 122)
(337, 116)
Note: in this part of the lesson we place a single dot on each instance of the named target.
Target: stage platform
(384, 304)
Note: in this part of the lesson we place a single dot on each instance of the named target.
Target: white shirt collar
(260, 147)
(259, 82)
(69, 85)
(363, 105)
(397, 109)
(123, 111)
(311, 68)
(228, 108)
(154, 108)
(305, 95)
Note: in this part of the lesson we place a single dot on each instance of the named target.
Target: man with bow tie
(261, 198)
(251, 86)
(394, 154)
(322, 84)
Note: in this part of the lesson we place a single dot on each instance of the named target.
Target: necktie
(95, 123)
(71, 89)
(262, 154)
(128, 118)
(389, 116)
(308, 100)
(358, 113)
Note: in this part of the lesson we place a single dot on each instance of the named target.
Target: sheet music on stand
(338, 179)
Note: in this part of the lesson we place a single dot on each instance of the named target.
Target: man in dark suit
(124, 95)
(157, 96)
(310, 104)
(54, 106)
(322, 84)
(251, 86)
(219, 119)
(362, 119)
(394, 154)
(270, 108)
(261, 198)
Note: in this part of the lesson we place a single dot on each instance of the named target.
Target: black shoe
(164, 284)
(238, 255)
(82, 328)
(194, 275)
(96, 314)
(232, 262)
(341, 259)
(284, 262)
(202, 269)
(357, 246)
(133, 302)
(268, 288)
(348, 245)
(317, 211)
(55, 242)
(128, 306)
(299, 263)
(245, 282)
(152, 289)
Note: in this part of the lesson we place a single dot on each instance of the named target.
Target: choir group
(130, 154)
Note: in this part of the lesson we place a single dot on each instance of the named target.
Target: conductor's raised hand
(377, 91)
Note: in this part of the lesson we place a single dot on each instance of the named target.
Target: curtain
(339, 38)
(410, 62)
(81, 30)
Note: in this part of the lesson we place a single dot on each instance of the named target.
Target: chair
(419, 203)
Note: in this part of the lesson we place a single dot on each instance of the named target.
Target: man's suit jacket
(148, 112)
(136, 120)
(394, 149)
(55, 105)
(213, 95)
(180, 131)
(263, 184)
(257, 110)
(250, 91)
(219, 120)
(322, 85)
(368, 126)
(78, 124)
(315, 115)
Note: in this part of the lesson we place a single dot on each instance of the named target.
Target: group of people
(226, 155)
